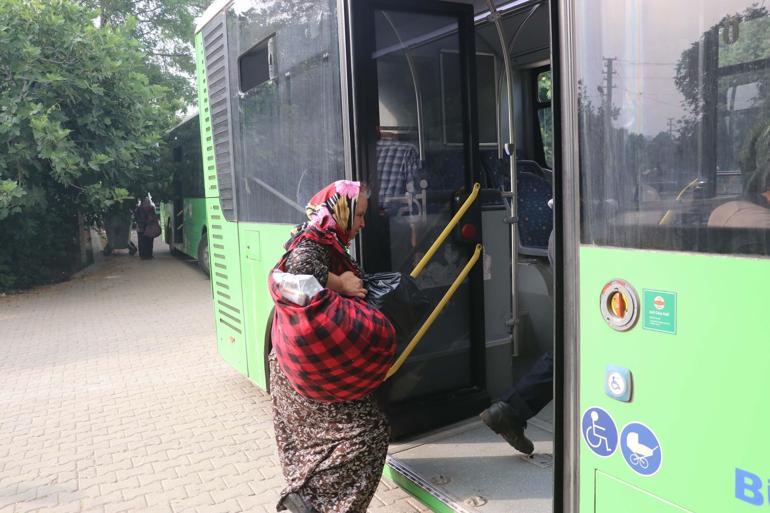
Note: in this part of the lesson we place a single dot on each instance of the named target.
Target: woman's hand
(347, 283)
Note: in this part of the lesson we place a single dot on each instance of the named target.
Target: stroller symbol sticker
(641, 449)
(599, 432)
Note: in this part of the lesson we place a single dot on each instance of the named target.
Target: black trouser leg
(534, 390)
(145, 247)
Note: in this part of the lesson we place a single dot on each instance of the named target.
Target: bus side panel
(207, 138)
(699, 377)
(261, 248)
(194, 224)
(223, 243)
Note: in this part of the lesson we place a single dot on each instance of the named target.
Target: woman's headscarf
(332, 209)
(330, 214)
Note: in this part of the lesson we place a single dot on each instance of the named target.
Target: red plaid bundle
(333, 349)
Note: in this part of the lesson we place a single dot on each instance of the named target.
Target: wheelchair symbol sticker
(641, 449)
(599, 432)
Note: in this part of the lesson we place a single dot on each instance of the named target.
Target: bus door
(413, 81)
(667, 131)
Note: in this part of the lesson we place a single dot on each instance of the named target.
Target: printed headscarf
(330, 214)
(333, 209)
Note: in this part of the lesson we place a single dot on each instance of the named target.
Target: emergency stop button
(619, 305)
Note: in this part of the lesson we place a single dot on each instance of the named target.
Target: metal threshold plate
(471, 469)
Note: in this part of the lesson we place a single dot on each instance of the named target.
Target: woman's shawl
(333, 349)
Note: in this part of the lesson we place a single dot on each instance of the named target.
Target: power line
(640, 63)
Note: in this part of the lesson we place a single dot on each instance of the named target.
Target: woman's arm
(347, 283)
(312, 258)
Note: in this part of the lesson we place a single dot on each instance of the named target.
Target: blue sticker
(641, 449)
(599, 432)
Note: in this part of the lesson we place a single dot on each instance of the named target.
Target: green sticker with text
(659, 311)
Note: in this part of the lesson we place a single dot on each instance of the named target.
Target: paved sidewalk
(113, 398)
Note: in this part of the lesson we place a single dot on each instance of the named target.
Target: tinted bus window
(675, 124)
(288, 130)
(544, 115)
(184, 158)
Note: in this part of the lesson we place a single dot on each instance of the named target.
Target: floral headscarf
(332, 209)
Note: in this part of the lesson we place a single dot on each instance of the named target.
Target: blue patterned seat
(535, 217)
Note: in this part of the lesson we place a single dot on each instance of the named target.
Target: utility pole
(607, 186)
(671, 127)
(609, 73)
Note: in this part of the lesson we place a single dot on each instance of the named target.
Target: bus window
(544, 116)
(255, 66)
(287, 130)
(675, 130)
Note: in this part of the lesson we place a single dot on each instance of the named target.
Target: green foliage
(165, 31)
(544, 89)
(80, 128)
(10, 198)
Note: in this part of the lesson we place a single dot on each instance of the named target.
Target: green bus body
(194, 225)
(686, 321)
(241, 256)
(696, 388)
(183, 218)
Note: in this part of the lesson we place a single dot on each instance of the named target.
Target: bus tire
(167, 235)
(203, 255)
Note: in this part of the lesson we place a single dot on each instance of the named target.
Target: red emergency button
(468, 232)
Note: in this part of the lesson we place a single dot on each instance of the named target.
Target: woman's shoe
(295, 503)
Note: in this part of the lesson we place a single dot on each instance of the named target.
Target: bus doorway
(432, 121)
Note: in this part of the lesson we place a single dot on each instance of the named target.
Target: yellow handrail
(436, 311)
(434, 247)
(667, 216)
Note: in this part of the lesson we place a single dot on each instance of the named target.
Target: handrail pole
(436, 311)
(443, 235)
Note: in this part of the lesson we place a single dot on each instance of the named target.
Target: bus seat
(535, 217)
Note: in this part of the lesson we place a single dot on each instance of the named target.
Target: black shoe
(295, 503)
(502, 419)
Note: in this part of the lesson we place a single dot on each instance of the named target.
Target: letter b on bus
(748, 487)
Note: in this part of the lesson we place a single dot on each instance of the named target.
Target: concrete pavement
(113, 398)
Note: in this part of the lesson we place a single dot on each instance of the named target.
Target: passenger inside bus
(752, 211)
(532, 392)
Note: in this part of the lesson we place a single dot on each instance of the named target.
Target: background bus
(183, 217)
(654, 106)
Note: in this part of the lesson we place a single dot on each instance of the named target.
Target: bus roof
(482, 11)
(186, 119)
(214, 9)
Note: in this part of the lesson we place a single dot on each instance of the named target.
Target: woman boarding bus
(640, 120)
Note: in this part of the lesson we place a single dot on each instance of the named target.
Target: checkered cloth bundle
(335, 348)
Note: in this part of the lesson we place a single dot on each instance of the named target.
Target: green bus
(183, 217)
(646, 123)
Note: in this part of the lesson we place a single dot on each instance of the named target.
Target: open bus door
(413, 81)
(667, 238)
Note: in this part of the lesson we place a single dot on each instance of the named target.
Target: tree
(165, 29)
(80, 125)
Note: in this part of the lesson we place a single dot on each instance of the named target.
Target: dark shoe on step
(502, 419)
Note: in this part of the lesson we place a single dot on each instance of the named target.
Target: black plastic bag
(397, 296)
